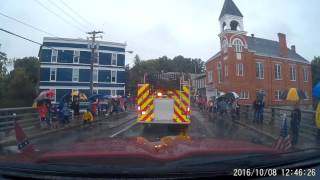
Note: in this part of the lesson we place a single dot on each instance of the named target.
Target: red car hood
(133, 148)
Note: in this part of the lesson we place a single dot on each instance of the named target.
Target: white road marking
(124, 129)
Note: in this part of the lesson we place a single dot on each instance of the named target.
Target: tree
(315, 68)
(19, 87)
(3, 74)
(161, 64)
(137, 60)
(31, 66)
(3, 64)
(22, 91)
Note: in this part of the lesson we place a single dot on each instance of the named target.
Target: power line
(75, 12)
(20, 36)
(42, 5)
(35, 42)
(26, 24)
(67, 14)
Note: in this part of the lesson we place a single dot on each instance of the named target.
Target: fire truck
(164, 98)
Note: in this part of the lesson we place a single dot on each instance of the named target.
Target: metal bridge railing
(272, 117)
(27, 117)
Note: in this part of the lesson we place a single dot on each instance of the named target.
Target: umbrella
(231, 95)
(75, 93)
(293, 94)
(107, 96)
(81, 96)
(95, 96)
(45, 95)
(316, 90)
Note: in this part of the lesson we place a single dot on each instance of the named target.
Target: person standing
(66, 114)
(43, 110)
(259, 111)
(76, 106)
(295, 124)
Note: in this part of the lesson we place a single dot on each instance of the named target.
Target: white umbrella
(236, 96)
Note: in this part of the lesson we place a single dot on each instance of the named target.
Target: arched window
(225, 46)
(234, 25)
(219, 67)
(224, 26)
(237, 44)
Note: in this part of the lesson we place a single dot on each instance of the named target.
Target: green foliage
(315, 66)
(31, 66)
(3, 63)
(19, 87)
(22, 90)
(162, 64)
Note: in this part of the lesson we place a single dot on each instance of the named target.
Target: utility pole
(93, 48)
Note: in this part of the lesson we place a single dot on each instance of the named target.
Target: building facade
(248, 64)
(65, 66)
(198, 84)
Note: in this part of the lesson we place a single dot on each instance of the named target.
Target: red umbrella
(50, 93)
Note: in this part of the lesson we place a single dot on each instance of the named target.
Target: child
(87, 118)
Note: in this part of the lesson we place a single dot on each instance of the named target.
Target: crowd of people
(57, 115)
(230, 108)
(221, 107)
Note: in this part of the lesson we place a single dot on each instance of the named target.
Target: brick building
(247, 64)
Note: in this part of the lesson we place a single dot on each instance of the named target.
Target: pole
(93, 56)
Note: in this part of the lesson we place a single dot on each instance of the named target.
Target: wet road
(100, 130)
(201, 126)
(126, 126)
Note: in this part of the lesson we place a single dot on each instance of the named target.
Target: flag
(23, 142)
(283, 143)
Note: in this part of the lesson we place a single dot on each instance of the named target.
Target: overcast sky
(153, 28)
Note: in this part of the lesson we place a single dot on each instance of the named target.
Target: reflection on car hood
(113, 148)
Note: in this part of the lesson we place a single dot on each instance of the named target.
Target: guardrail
(272, 117)
(27, 117)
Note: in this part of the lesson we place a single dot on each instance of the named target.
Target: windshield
(147, 83)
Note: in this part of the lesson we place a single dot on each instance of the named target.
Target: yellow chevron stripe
(151, 117)
(144, 96)
(149, 101)
(186, 89)
(176, 99)
(186, 99)
(148, 110)
(176, 118)
(142, 88)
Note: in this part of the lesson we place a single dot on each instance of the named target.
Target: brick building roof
(230, 8)
(270, 48)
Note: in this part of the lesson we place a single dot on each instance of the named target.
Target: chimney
(283, 49)
(293, 48)
(252, 35)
